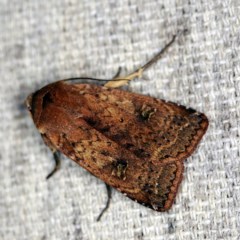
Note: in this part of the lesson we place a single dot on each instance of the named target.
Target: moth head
(32, 103)
(36, 102)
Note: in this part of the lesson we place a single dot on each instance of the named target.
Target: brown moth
(134, 143)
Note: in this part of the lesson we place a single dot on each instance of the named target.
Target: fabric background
(43, 41)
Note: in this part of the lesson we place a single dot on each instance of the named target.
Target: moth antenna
(138, 73)
(109, 193)
(57, 164)
(117, 81)
(94, 79)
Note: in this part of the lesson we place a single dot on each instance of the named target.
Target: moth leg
(109, 194)
(138, 73)
(118, 73)
(57, 164)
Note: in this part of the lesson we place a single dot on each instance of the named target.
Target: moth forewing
(132, 142)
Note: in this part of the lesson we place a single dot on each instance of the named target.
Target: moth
(134, 143)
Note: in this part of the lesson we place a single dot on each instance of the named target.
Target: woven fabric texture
(43, 41)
